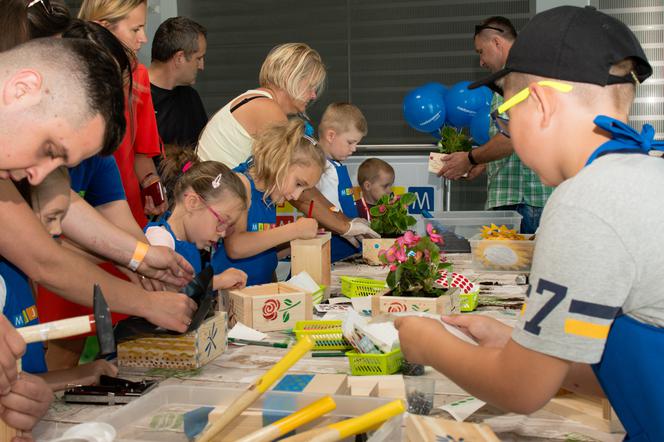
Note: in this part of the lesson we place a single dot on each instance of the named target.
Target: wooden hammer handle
(64, 328)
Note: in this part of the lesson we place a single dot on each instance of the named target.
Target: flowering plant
(453, 140)
(415, 264)
(389, 217)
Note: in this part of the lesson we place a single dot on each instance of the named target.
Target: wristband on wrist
(471, 159)
(139, 254)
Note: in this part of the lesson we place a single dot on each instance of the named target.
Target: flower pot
(436, 161)
(441, 305)
(371, 247)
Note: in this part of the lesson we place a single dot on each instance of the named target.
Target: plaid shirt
(509, 181)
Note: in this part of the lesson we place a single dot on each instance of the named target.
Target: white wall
(543, 5)
(158, 11)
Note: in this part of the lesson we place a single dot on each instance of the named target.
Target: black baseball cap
(573, 44)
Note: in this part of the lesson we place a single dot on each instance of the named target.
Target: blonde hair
(620, 96)
(288, 65)
(341, 117)
(278, 148)
(110, 10)
(370, 168)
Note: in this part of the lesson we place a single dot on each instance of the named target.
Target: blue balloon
(462, 103)
(479, 126)
(438, 87)
(424, 109)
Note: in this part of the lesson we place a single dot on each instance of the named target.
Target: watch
(471, 159)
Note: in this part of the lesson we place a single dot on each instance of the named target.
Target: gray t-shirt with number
(599, 254)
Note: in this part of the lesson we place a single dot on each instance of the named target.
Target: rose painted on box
(396, 307)
(272, 308)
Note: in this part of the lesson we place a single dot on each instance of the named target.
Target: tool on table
(99, 322)
(351, 427)
(290, 423)
(260, 343)
(109, 391)
(328, 354)
(260, 386)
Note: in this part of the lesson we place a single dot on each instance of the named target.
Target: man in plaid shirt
(510, 184)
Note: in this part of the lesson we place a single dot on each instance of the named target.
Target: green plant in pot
(451, 141)
(389, 217)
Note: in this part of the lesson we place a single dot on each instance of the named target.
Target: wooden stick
(290, 423)
(351, 427)
(260, 386)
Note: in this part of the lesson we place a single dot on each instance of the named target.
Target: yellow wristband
(139, 254)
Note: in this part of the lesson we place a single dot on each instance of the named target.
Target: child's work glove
(359, 229)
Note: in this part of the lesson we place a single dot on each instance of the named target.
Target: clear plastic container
(150, 417)
(419, 394)
(502, 255)
(469, 223)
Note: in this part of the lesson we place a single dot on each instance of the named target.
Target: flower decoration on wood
(272, 308)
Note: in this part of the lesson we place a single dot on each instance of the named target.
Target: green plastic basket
(363, 364)
(468, 301)
(354, 287)
(327, 335)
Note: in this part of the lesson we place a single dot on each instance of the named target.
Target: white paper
(362, 304)
(305, 282)
(464, 408)
(241, 331)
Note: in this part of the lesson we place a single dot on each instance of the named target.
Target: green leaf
(288, 302)
(286, 316)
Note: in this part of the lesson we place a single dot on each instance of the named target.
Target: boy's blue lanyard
(625, 139)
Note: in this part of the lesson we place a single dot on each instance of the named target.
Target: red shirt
(142, 137)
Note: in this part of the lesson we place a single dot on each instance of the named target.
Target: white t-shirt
(329, 184)
(599, 253)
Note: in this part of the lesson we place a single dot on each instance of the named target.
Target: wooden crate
(182, 352)
(445, 304)
(314, 257)
(268, 307)
(424, 428)
(371, 247)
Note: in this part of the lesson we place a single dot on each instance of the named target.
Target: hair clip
(216, 182)
(310, 139)
(187, 166)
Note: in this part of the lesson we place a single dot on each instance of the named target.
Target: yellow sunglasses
(524, 93)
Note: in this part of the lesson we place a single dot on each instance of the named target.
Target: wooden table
(241, 365)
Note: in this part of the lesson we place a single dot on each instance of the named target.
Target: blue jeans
(531, 215)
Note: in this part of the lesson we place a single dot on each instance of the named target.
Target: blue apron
(631, 366)
(21, 311)
(186, 249)
(262, 215)
(341, 248)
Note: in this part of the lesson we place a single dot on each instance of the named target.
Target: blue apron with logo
(341, 248)
(631, 367)
(262, 216)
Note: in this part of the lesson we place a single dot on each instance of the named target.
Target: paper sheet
(464, 408)
(241, 331)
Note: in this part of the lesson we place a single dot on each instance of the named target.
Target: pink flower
(400, 254)
(435, 237)
(410, 238)
(393, 268)
(389, 254)
(382, 208)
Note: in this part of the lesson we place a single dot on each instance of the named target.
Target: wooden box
(314, 257)
(424, 428)
(442, 305)
(371, 247)
(268, 307)
(181, 352)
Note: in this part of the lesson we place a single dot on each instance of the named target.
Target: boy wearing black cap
(594, 316)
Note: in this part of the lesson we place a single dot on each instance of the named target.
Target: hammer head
(103, 323)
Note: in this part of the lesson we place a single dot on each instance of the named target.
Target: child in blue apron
(208, 200)
(341, 128)
(285, 162)
(594, 313)
(50, 202)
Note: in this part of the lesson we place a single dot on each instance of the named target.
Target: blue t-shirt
(20, 309)
(187, 249)
(97, 180)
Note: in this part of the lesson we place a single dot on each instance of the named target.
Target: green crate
(364, 364)
(327, 335)
(468, 301)
(354, 287)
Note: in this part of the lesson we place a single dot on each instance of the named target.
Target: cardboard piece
(188, 351)
(425, 428)
(314, 257)
(268, 307)
(371, 247)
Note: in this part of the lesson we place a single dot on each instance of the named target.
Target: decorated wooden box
(314, 257)
(268, 307)
(188, 351)
(371, 247)
(444, 304)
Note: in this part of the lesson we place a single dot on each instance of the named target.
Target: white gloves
(358, 229)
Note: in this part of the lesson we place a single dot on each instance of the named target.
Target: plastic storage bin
(469, 223)
(364, 364)
(502, 255)
(354, 287)
(327, 335)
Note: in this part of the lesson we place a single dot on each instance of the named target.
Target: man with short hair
(178, 53)
(510, 184)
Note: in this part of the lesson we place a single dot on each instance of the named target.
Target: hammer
(99, 322)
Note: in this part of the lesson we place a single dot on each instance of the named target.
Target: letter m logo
(424, 201)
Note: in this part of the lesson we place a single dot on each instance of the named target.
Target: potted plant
(415, 264)
(390, 219)
(451, 140)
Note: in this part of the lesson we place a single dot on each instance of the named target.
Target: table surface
(500, 297)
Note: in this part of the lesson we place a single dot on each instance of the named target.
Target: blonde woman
(291, 77)
(126, 20)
